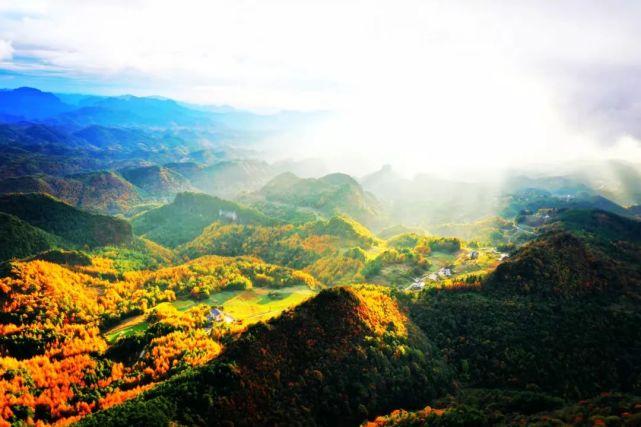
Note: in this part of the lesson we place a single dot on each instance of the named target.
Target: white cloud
(451, 82)
(6, 51)
(311, 47)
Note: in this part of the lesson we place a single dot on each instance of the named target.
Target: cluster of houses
(419, 283)
(445, 272)
(502, 255)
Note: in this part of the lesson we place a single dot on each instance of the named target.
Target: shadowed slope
(56, 217)
(331, 361)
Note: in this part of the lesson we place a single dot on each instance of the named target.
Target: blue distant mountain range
(30, 104)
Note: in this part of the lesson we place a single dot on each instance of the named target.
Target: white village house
(445, 272)
(231, 215)
(216, 315)
(418, 285)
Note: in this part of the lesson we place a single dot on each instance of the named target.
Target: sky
(418, 83)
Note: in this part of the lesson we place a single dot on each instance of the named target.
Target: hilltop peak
(301, 365)
(583, 252)
(336, 193)
(27, 103)
(26, 90)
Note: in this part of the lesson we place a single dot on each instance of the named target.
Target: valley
(156, 270)
(243, 308)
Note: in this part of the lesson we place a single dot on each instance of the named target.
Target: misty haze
(285, 213)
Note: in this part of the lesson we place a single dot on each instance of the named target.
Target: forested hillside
(185, 218)
(19, 239)
(78, 335)
(528, 350)
(552, 325)
(104, 192)
(335, 359)
(73, 225)
(290, 197)
(159, 266)
(157, 181)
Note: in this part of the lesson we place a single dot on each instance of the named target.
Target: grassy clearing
(485, 262)
(247, 306)
(396, 275)
(259, 304)
(126, 328)
(442, 259)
